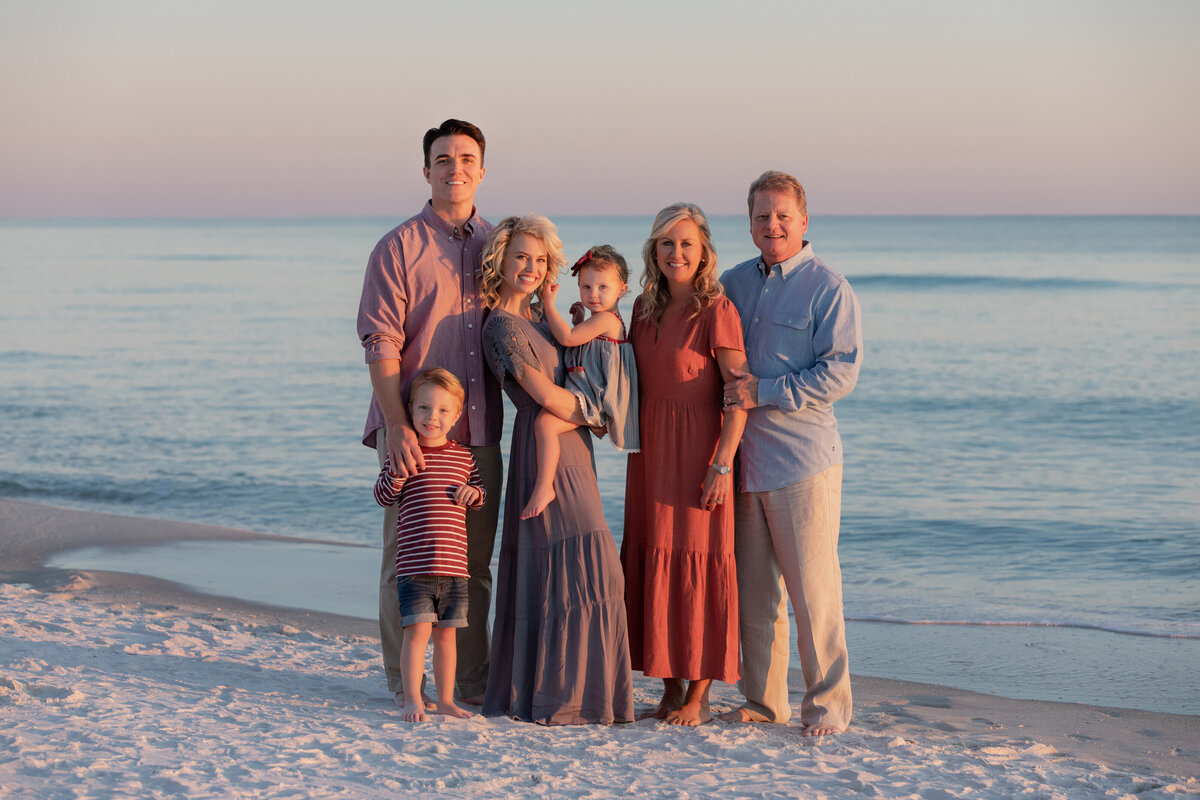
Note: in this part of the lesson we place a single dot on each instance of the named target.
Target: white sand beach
(115, 686)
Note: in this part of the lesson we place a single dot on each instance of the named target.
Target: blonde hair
(490, 270)
(775, 181)
(705, 287)
(443, 378)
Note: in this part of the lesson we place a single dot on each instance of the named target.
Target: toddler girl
(600, 368)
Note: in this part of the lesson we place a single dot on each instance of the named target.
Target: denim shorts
(433, 598)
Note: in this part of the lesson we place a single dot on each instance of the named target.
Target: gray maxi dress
(560, 648)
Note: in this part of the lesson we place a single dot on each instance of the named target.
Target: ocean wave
(937, 281)
(1091, 626)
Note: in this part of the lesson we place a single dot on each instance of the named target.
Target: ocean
(1021, 510)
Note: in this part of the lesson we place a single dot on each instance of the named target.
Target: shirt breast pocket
(793, 330)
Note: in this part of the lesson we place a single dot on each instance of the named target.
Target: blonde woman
(677, 551)
(560, 651)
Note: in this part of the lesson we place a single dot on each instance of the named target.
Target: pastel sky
(299, 108)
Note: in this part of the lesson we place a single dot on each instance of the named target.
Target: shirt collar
(785, 267)
(439, 223)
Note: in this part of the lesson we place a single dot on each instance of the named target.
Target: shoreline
(897, 713)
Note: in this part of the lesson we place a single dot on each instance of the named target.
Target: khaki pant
(474, 640)
(786, 546)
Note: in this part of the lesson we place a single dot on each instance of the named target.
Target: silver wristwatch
(721, 469)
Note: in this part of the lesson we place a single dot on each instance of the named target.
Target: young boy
(431, 533)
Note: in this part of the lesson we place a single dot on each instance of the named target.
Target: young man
(419, 309)
(804, 348)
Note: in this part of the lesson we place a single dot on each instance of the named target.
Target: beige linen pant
(474, 640)
(786, 546)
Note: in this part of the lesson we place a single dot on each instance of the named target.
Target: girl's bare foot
(538, 502)
(414, 712)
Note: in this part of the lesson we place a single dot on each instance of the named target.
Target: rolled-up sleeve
(384, 303)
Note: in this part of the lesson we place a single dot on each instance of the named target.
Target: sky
(297, 108)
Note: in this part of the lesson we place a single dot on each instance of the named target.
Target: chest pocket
(793, 330)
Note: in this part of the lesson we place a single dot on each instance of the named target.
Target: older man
(804, 347)
(420, 308)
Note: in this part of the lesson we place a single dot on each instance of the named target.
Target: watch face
(721, 468)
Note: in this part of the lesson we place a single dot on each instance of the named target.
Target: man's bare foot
(398, 699)
(451, 710)
(690, 714)
(820, 729)
(538, 501)
(414, 712)
(473, 700)
(739, 714)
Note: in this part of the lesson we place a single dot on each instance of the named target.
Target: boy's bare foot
(690, 714)
(414, 712)
(820, 729)
(451, 710)
(538, 502)
(398, 699)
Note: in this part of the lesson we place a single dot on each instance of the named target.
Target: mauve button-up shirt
(420, 305)
(803, 331)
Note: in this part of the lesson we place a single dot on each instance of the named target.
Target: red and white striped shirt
(431, 529)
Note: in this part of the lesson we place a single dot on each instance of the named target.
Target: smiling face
(524, 266)
(679, 251)
(455, 170)
(600, 287)
(777, 225)
(434, 411)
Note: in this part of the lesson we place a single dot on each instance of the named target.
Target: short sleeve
(507, 347)
(725, 327)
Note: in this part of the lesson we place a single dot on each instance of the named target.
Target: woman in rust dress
(677, 551)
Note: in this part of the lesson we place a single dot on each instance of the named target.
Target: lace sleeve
(507, 347)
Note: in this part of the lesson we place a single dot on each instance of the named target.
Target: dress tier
(680, 578)
(560, 649)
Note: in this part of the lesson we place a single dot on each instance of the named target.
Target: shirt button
(472, 352)
(470, 324)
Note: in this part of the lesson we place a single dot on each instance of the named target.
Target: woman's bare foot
(538, 501)
(820, 729)
(450, 709)
(672, 700)
(691, 714)
(414, 712)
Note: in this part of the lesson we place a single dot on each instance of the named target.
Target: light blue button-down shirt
(803, 331)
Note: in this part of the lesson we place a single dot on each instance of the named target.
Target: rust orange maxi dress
(680, 579)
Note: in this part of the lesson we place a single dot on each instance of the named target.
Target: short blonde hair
(535, 225)
(775, 181)
(705, 286)
(442, 378)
